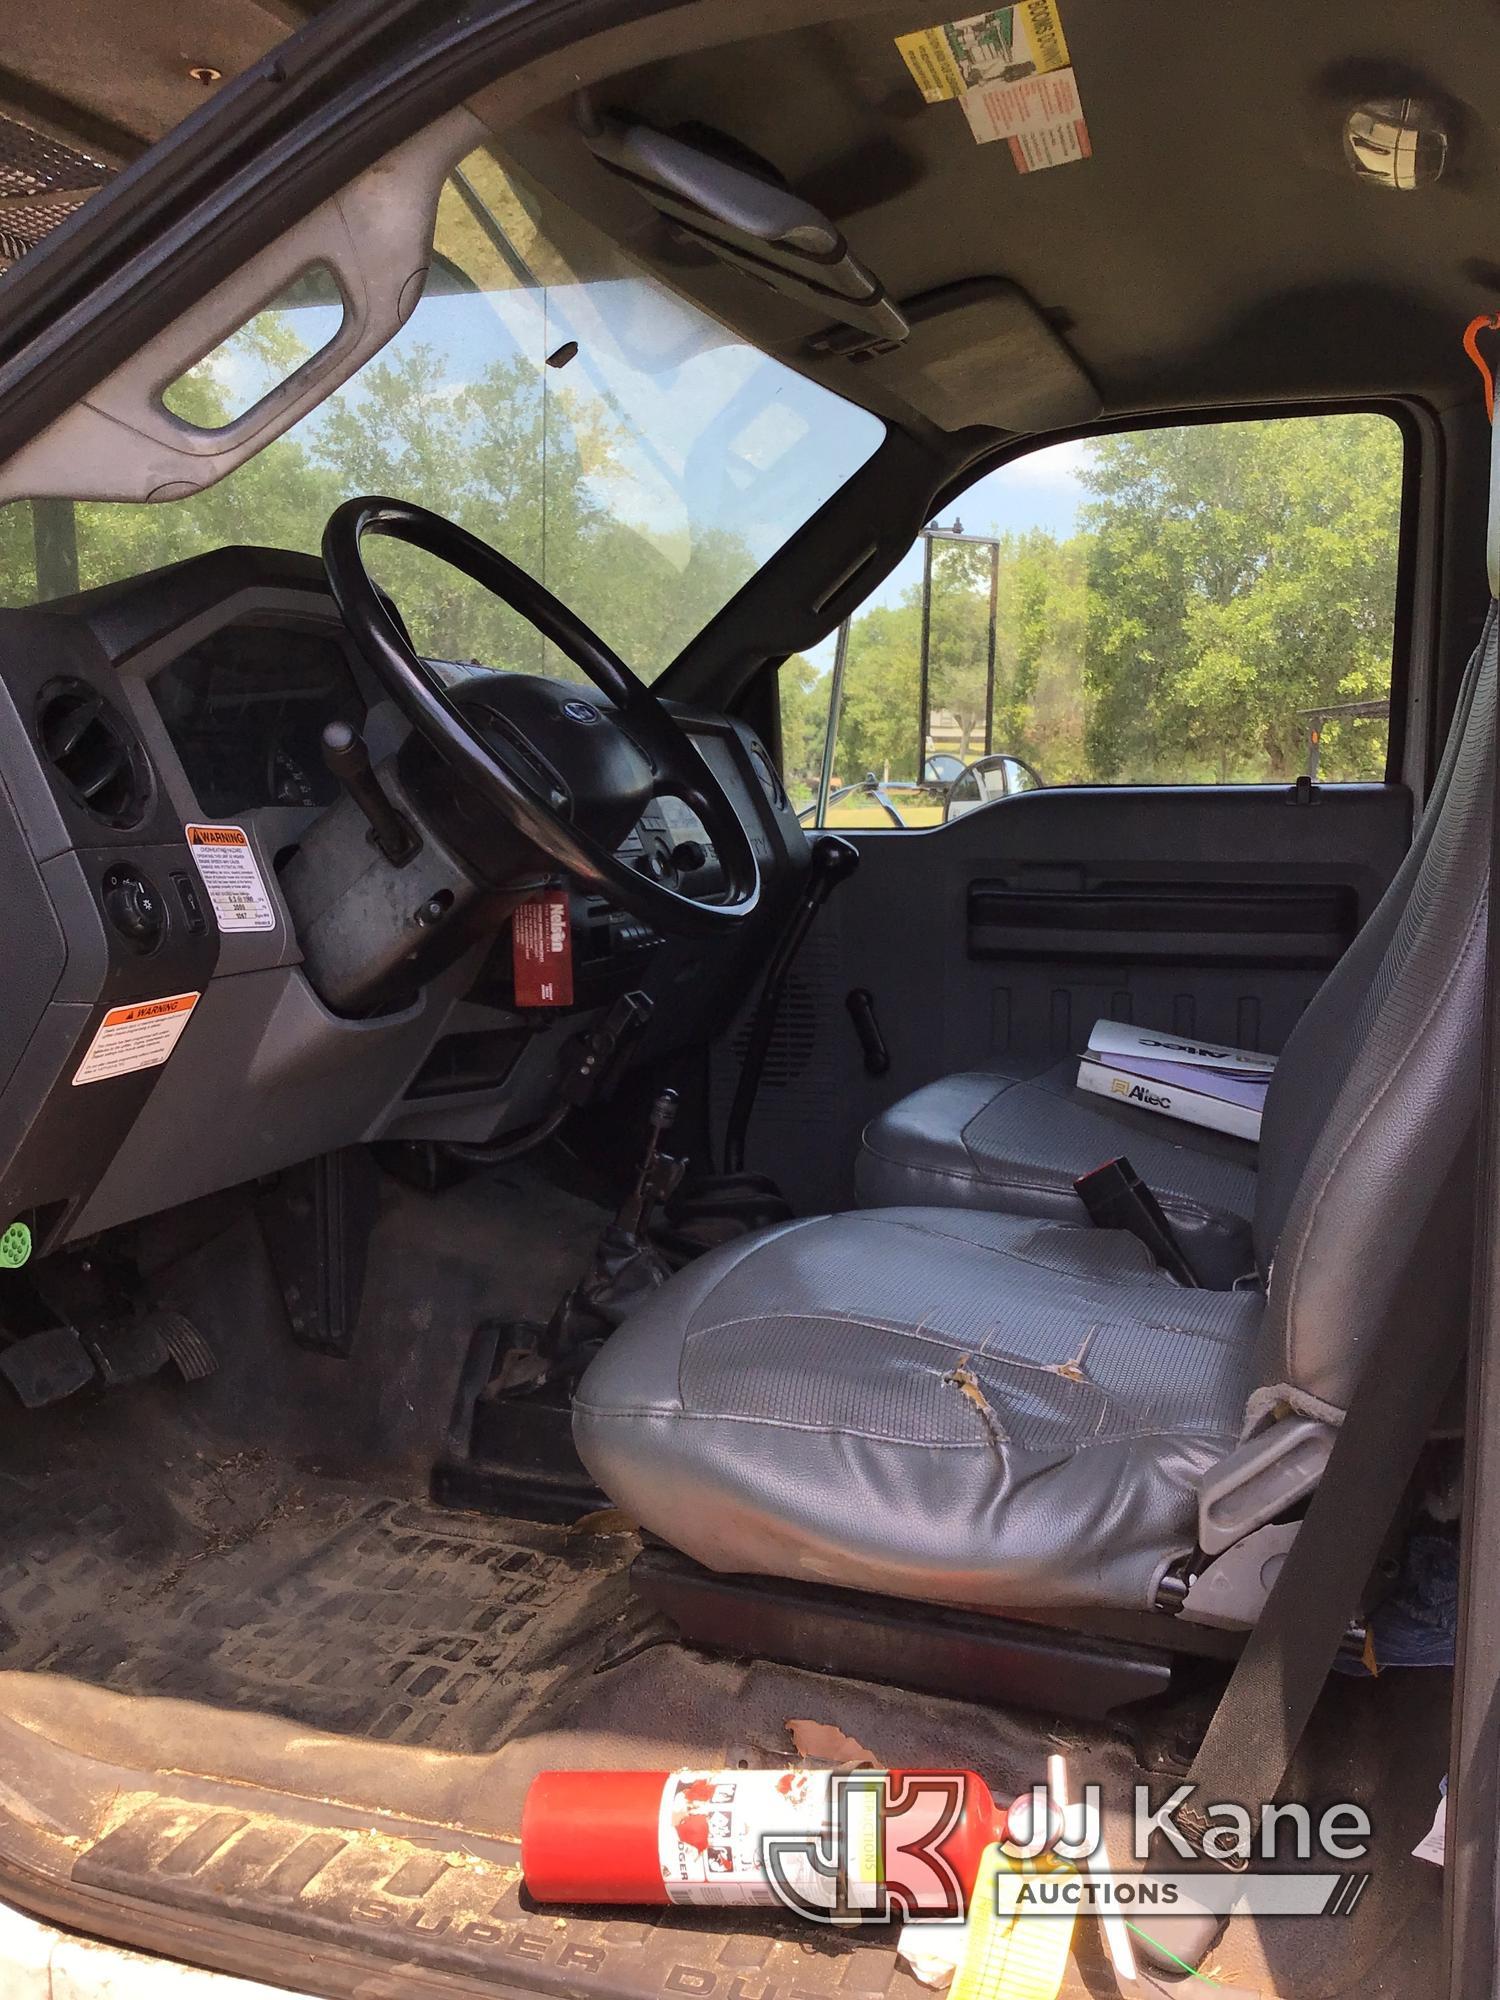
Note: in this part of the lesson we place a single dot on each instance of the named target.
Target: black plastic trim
(969, 1654)
(1303, 924)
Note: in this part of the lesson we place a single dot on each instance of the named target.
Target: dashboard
(163, 1036)
(245, 709)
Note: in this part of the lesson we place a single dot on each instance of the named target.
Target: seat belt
(1248, 1747)
(1253, 1735)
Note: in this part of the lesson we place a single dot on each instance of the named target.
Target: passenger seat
(1012, 1140)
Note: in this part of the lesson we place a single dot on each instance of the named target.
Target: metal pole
(989, 670)
(835, 705)
(926, 659)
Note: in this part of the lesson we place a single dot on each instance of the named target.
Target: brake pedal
(45, 1367)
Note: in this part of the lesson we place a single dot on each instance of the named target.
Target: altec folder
(1201, 1083)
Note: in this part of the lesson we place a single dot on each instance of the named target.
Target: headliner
(1215, 249)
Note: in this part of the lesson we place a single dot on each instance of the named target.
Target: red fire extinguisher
(700, 1836)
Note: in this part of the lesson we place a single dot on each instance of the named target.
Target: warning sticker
(140, 1036)
(1042, 118)
(711, 1832)
(1011, 71)
(1006, 45)
(232, 877)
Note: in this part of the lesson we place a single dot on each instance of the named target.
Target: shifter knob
(344, 752)
(834, 860)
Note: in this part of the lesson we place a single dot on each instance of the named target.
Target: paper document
(1122, 1040)
(1204, 1105)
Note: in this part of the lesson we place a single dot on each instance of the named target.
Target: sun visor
(356, 265)
(980, 352)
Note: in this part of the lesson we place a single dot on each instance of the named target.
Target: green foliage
(1224, 580)
(1237, 575)
(512, 454)
(804, 724)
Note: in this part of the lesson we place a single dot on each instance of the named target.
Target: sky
(1041, 490)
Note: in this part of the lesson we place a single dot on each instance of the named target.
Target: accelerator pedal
(189, 1352)
(133, 1350)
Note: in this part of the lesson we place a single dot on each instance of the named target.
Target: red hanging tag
(542, 951)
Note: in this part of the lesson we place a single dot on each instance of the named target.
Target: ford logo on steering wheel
(580, 711)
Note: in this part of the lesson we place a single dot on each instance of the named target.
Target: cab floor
(306, 1599)
(253, 1672)
(321, 1708)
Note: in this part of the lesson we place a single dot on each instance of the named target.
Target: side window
(1205, 604)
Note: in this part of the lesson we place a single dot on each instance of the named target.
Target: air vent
(94, 752)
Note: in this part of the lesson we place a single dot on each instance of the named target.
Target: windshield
(639, 459)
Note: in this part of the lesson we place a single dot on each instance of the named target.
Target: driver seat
(1007, 1412)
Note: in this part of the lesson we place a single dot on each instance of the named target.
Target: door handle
(861, 1006)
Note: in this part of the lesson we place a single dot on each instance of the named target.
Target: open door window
(1198, 604)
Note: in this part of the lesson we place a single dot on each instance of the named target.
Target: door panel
(1006, 934)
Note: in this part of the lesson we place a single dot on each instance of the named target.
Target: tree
(806, 692)
(529, 465)
(1039, 708)
(1238, 574)
(878, 714)
(879, 721)
(1224, 580)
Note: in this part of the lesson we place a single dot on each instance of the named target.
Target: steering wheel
(573, 776)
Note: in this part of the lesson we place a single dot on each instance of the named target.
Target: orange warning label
(140, 1036)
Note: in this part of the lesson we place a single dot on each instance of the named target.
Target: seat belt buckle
(1117, 1198)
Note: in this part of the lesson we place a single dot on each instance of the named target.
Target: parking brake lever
(833, 861)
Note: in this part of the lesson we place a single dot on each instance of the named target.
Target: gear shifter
(626, 1266)
(659, 1174)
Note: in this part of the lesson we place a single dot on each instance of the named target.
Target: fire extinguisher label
(713, 1827)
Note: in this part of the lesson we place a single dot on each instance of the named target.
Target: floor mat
(412, 1855)
(449, 1657)
(385, 1618)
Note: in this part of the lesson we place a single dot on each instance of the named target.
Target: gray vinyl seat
(1014, 1138)
(1013, 1412)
